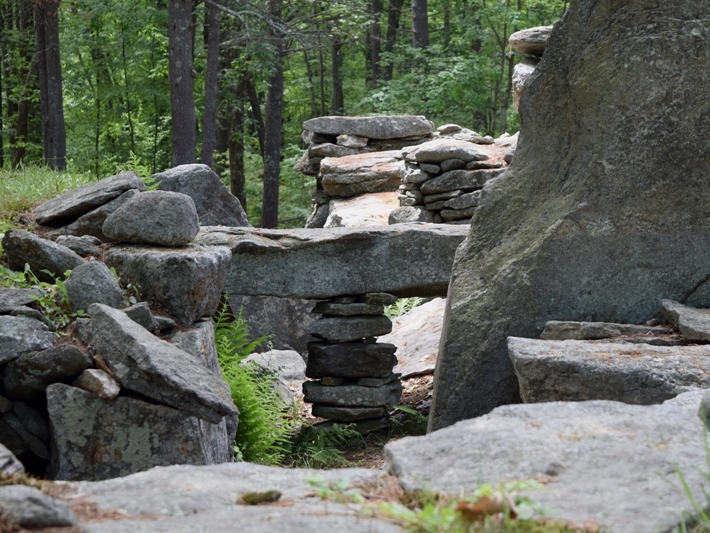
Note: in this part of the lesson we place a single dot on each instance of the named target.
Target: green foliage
(415, 423)
(322, 448)
(263, 426)
(701, 515)
(402, 306)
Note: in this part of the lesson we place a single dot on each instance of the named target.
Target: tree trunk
(180, 68)
(375, 48)
(255, 105)
(420, 24)
(272, 125)
(237, 178)
(393, 12)
(337, 100)
(209, 127)
(50, 83)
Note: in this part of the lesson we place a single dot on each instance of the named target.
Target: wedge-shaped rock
(347, 414)
(387, 127)
(403, 259)
(353, 395)
(76, 202)
(551, 371)
(83, 246)
(19, 334)
(350, 360)
(215, 205)
(13, 298)
(99, 439)
(464, 180)
(694, 324)
(187, 283)
(157, 369)
(360, 174)
(556, 330)
(350, 328)
(92, 223)
(22, 247)
(601, 461)
(91, 283)
(440, 150)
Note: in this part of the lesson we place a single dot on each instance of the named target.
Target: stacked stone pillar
(355, 383)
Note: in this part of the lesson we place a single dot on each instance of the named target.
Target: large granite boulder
(22, 247)
(186, 282)
(155, 217)
(76, 202)
(606, 462)
(363, 173)
(215, 205)
(403, 259)
(146, 364)
(388, 127)
(603, 211)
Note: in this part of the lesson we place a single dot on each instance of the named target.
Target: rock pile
(355, 384)
(531, 44)
(444, 177)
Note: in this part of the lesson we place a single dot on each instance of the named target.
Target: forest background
(99, 86)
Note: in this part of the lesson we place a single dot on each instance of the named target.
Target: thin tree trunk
(255, 106)
(337, 100)
(375, 36)
(50, 80)
(420, 24)
(209, 127)
(393, 12)
(182, 99)
(237, 177)
(272, 126)
(311, 83)
(129, 111)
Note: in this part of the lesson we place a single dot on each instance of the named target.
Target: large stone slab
(214, 203)
(350, 328)
(572, 370)
(440, 150)
(186, 282)
(459, 180)
(360, 174)
(592, 221)
(95, 438)
(559, 330)
(601, 461)
(187, 499)
(19, 334)
(22, 247)
(353, 395)
(76, 202)
(350, 360)
(388, 127)
(144, 363)
(403, 259)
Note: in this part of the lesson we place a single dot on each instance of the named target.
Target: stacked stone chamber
(355, 383)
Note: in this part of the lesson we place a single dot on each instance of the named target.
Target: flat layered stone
(365, 210)
(350, 360)
(352, 309)
(464, 180)
(440, 150)
(362, 173)
(556, 330)
(84, 245)
(12, 298)
(430, 198)
(157, 369)
(386, 127)
(22, 247)
(449, 215)
(464, 201)
(353, 395)
(452, 164)
(403, 259)
(694, 324)
(76, 202)
(19, 335)
(364, 427)
(333, 150)
(572, 370)
(351, 141)
(92, 223)
(347, 414)
(350, 328)
(530, 41)
(186, 282)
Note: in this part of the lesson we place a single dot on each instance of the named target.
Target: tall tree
(46, 17)
(375, 36)
(394, 9)
(209, 128)
(337, 98)
(181, 69)
(273, 120)
(420, 24)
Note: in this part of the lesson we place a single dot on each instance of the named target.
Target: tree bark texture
(180, 68)
(420, 24)
(393, 12)
(375, 37)
(337, 100)
(209, 127)
(272, 125)
(237, 178)
(50, 83)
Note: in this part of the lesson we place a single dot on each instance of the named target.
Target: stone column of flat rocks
(355, 383)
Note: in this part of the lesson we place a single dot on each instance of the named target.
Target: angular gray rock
(362, 173)
(332, 150)
(13, 298)
(601, 461)
(157, 369)
(349, 309)
(694, 324)
(22, 247)
(351, 141)
(140, 314)
(83, 246)
(31, 420)
(403, 259)
(550, 371)
(464, 201)
(91, 283)
(27, 377)
(29, 508)
(92, 223)
(19, 335)
(365, 210)
(440, 150)
(351, 328)
(556, 330)
(154, 217)
(347, 414)
(288, 365)
(577, 228)
(205, 498)
(521, 75)
(214, 203)
(187, 283)
(76, 202)
(99, 382)
(463, 180)
(98, 439)
(388, 127)
(530, 41)
(10, 438)
(36, 445)
(9, 464)
(404, 215)
(353, 395)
